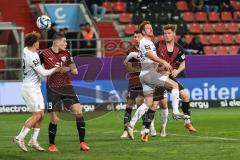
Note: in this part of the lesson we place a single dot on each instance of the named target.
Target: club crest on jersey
(63, 59)
(147, 47)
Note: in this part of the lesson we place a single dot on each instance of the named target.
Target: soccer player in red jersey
(173, 53)
(135, 92)
(60, 90)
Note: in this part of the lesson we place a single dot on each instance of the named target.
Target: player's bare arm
(181, 67)
(155, 58)
(73, 68)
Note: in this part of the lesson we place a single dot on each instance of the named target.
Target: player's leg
(128, 112)
(31, 98)
(54, 103)
(77, 111)
(149, 116)
(186, 109)
(163, 103)
(173, 86)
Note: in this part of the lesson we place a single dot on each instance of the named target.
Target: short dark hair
(137, 32)
(58, 36)
(31, 38)
(141, 27)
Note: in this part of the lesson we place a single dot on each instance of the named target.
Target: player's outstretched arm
(155, 58)
(44, 72)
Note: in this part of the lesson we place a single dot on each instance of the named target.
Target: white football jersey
(145, 46)
(31, 61)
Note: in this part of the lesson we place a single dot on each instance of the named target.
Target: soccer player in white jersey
(31, 92)
(151, 79)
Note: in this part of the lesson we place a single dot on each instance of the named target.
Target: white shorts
(151, 80)
(33, 98)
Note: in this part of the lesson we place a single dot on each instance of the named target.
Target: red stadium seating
(233, 27)
(160, 38)
(208, 50)
(227, 39)
(194, 28)
(226, 16)
(124, 18)
(237, 38)
(107, 6)
(208, 28)
(236, 16)
(188, 38)
(214, 39)
(213, 16)
(119, 6)
(188, 16)
(182, 6)
(221, 50)
(220, 28)
(203, 39)
(130, 29)
(201, 16)
(235, 4)
(233, 49)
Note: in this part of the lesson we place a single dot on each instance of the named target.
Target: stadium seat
(235, 4)
(182, 5)
(209, 50)
(150, 17)
(226, 16)
(130, 29)
(182, 28)
(201, 16)
(188, 16)
(233, 49)
(107, 6)
(124, 18)
(227, 39)
(119, 6)
(203, 39)
(221, 50)
(214, 39)
(162, 18)
(137, 18)
(236, 16)
(208, 28)
(220, 28)
(213, 16)
(188, 38)
(194, 28)
(177, 37)
(233, 27)
(132, 7)
(237, 38)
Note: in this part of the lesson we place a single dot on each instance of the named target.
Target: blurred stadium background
(211, 40)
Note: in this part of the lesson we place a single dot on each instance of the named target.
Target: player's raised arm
(129, 65)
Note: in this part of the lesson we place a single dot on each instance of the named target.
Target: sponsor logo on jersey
(147, 47)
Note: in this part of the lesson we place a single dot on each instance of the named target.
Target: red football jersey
(133, 78)
(50, 59)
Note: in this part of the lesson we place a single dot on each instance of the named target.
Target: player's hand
(167, 65)
(174, 73)
(64, 69)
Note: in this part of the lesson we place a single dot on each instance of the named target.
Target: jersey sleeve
(34, 61)
(181, 55)
(130, 56)
(145, 47)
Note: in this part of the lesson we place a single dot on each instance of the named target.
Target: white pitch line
(205, 137)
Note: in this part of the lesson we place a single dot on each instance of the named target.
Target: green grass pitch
(218, 139)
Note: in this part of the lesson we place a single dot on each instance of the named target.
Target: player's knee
(184, 96)
(163, 105)
(54, 119)
(139, 100)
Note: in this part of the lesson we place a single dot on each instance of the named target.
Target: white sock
(23, 133)
(152, 124)
(138, 114)
(164, 117)
(175, 100)
(187, 121)
(35, 133)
